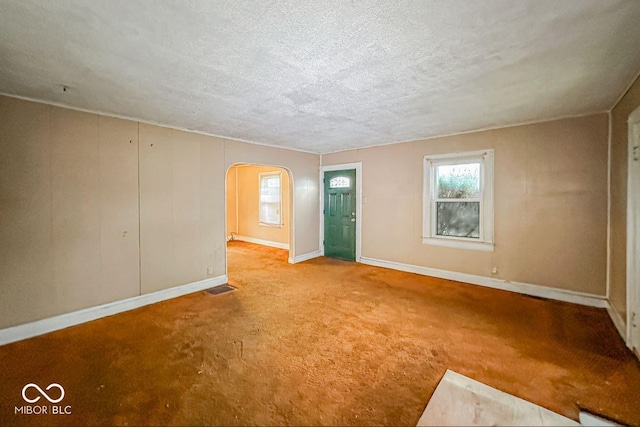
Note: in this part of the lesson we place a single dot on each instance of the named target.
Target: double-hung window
(458, 200)
(270, 199)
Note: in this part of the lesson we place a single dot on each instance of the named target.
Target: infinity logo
(46, 396)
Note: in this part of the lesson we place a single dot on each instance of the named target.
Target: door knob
(353, 220)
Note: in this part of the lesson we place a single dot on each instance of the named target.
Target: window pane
(270, 199)
(458, 181)
(340, 182)
(459, 219)
(269, 213)
(270, 185)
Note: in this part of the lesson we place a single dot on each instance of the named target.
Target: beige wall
(181, 207)
(68, 210)
(619, 158)
(550, 203)
(247, 222)
(74, 186)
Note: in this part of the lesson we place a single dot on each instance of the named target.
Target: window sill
(264, 224)
(458, 244)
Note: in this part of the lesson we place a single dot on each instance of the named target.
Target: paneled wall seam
(173, 206)
(237, 208)
(50, 142)
(139, 220)
(608, 276)
(100, 202)
(226, 171)
(200, 217)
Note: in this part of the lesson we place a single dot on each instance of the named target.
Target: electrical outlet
(210, 271)
(494, 270)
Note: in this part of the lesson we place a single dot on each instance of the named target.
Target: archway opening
(259, 209)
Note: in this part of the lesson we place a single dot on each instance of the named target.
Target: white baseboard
(618, 321)
(505, 285)
(262, 242)
(305, 257)
(39, 327)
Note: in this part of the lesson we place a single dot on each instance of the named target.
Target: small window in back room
(458, 200)
(270, 199)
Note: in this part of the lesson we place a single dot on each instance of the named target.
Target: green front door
(340, 214)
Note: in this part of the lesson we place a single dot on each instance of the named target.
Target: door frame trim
(344, 166)
(633, 191)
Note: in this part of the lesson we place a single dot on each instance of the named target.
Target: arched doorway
(259, 207)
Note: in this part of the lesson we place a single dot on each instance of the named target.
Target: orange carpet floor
(324, 342)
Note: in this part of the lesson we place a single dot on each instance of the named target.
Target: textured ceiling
(323, 76)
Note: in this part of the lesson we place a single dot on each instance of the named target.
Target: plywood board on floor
(462, 401)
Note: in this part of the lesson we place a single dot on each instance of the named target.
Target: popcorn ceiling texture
(323, 76)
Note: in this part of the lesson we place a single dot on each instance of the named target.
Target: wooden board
(461, 401)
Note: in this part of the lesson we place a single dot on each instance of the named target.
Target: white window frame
(261, 176)
(429, 197)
